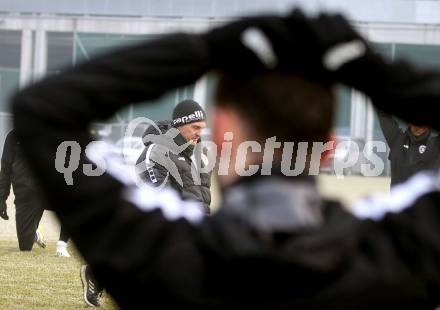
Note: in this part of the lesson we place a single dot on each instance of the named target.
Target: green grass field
(40, 280)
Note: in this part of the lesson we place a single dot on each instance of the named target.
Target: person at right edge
(415, 149)
(275, 243)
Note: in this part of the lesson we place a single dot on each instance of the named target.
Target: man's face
(418, 130)
(192, 132)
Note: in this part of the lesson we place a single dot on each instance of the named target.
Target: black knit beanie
(187, 112)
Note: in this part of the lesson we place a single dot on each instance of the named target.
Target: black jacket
(189, 182)
(15, 171)
(409, 154)
(266, 249)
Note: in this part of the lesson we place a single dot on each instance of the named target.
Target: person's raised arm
(390, 127)
(123, 229)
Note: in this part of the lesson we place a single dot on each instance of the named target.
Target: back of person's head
(256, 109)
(289, 107)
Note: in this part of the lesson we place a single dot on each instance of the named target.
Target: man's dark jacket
(409, 154)
(193, 185)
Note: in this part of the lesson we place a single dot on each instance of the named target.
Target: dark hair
(287, 106)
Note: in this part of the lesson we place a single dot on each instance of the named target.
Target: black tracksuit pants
(27, 218)
(28, 213)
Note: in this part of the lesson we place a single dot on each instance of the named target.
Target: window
(59, 51)
(67, 49)
(424, 55)
(343, 111)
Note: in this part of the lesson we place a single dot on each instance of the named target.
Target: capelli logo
(197, 115)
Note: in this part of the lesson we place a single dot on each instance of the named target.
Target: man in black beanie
(189, 119)
(178, 165)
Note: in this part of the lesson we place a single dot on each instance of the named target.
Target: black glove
(3, 212)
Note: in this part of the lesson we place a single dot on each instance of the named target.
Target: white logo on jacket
(422, 149)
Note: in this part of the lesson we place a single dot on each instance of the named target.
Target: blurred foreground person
(274, 244)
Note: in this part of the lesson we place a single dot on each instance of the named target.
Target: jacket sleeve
(405, 222)
(390, 127)
(155, 173)
(398, 88)
(6, 166)
(160, 175)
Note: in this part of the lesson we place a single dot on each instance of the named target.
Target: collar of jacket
(180, 140)
(275, 203)
(422, 139)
